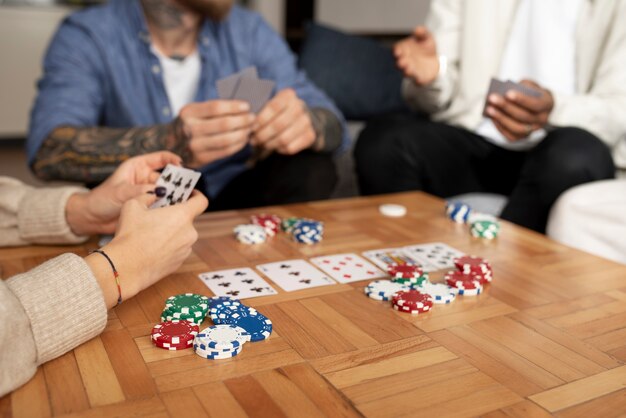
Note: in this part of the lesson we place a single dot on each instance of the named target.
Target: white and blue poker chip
(384, 289)
(441, 293)
(458, 211)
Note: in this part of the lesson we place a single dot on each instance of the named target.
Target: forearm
(91, 154)
(328, 130)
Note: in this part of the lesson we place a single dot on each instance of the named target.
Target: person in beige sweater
(77, 291)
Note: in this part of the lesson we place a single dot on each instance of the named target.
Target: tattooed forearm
(328, 129)
(90, 155)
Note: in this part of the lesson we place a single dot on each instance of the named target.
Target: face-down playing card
(178, 182)
(246, 86)
(241, 283)
(295, 275)
(346, 268)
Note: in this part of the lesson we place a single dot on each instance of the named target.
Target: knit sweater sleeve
(60, 291)
(31, 215)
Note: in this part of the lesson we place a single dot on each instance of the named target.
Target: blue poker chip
(458, 211)
(215, 355)
(256, 324)
(223, 312)
(218, 300)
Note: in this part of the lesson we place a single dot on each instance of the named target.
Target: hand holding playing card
(215, 129)
(284, 125)
(97, 212)
(417, 56)
(519, 112)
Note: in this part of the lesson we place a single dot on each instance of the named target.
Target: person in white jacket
(573, 52)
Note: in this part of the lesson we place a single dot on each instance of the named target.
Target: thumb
(421, 33)
(147, 199)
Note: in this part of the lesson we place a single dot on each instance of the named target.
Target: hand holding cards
(246, 86)
(178, 182)
(518, 109)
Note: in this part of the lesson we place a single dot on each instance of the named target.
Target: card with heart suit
(178, 182)
(346, 268)
(433, 256)
(241, 283)
(294, 275)
(386, 256)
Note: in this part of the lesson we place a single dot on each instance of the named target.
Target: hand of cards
(247, 86)
(500, 87)
(178, 182)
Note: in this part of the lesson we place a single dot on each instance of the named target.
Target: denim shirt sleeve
(275, 61)
(71, 89)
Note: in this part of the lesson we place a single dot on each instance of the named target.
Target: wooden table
(548, 336)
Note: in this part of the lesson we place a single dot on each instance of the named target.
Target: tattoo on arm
(91, 154)
(328, 129)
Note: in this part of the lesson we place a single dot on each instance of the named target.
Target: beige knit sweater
(60, 291)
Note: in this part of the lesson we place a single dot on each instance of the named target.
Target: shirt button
(156, 69)
(206, 41)
(166, 111)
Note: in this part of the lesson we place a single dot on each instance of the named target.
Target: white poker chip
(384, 289)
(250, 234)
(392, 210)
(222, 338)
(441, 293)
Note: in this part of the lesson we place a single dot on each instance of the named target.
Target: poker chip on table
(225, 310)
(308, 231)
(441, 293)
(485, 229)
(412, 301)
(270, 223)
(221, 338)
(174, 335)
(257, 325)
(392, 210)
(250, 234)
(384, 289)
(287, 224)
(218, 300)
(466, 283)
(472, 264)
(404, 271)
(459, 212)
(188, 306)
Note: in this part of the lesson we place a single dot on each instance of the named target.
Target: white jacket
(472, 35)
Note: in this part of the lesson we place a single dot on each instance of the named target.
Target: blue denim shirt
(99, 70)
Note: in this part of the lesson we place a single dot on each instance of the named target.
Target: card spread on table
(346, 268)
(178, 182)
(500, 88)
(386, 256)
(295, 275)
(240, 283)
(247, 86)
(433, 256)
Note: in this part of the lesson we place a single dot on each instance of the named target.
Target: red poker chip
(411, 311)
(412, 300)
(460, 280)
(174, 332)
(484, 277)
(173, 347)
(270, 223)
(405, 271)
(472, 263)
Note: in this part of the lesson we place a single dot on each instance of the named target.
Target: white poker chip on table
(441, 293)
(250, 234)
(392, 210)
(384, 289)
(222, 338)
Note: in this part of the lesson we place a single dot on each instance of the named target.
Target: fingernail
(494, 98)
(244, 107)
(511, 95)
(160, 191)
(491, 111)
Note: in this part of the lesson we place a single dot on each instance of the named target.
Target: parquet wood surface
(547, 337)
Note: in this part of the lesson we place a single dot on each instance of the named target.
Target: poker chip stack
(412, 301)
(270, 223)
(250, 234)
(236, 313)
(408, 274)
(384, 289)
(186, 307)
(288, 223)
(220, 341)
(307, 231)
(441, 293)
(459, 212)
(174, 335)
(486, 229)
(471, 275)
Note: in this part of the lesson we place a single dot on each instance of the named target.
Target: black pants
(404, 152)
(279, 179)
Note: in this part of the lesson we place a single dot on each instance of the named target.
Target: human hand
(284, 125)
(417, 56)
(517, 115)
(149, 244)
(215, 129)
(97, 212)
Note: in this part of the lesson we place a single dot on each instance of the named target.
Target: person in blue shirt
(137, 76)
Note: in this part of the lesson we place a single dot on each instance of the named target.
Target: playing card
(346, 268)
(294, 275)
(226, 86)
(241, 283)
(433, 256)
(386, 256)
(495, 87)
(254, 91)
(178, 182)
(528, 91)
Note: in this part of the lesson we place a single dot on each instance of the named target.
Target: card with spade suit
(178, 182)
(240, 283)
(294, 275)
(346, 268)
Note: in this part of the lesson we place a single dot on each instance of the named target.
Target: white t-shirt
(542, 48)
(181, 79)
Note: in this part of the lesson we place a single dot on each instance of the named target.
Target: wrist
(128, 272)
(76, 214)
